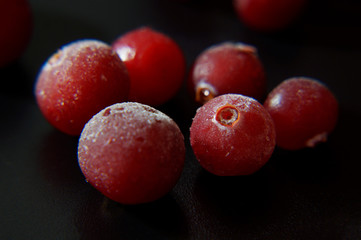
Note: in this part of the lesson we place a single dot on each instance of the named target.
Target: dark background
(308, 194)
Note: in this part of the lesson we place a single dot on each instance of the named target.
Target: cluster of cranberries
(133, 153)
(233, 134)
(85, 76)
(128, 150)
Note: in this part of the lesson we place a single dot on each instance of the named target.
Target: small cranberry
(155, 63)
(227, 68)
(232, 135)
(304, 110)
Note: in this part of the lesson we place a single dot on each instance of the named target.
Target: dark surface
(309, 194)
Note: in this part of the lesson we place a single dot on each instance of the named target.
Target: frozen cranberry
(304, 111)
(268, 15)
(227, 68)
(232, 135)
(15, 29)
(155, 63)
(78, 81)
(132, 153)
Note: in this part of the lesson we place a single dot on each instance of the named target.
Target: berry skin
(78, 81)
(16, 26)
(304, 110)
(268, 15)
(132, 153)
(232, 135)
(227, 68)
(155, 63)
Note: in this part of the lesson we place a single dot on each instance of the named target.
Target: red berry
(227, 68)
(16, 26)
(268, 15)
(232, 135)
(78, 81)
(132, 153)
(304, 111)
(155, 63)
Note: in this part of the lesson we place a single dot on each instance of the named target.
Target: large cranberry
(132, 153)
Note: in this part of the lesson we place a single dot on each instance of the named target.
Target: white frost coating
(246, 48)
(56, 59)
(125, 122)
(205, 68)
(140, 111)
(243, 47)
(243, 103)
(89, 43)
(72, 49)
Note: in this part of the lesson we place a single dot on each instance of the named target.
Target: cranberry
(304, 111)
(232, 135)
(227, 68)
(16, 26)
(78, 81)
(268, 15)
(132, 153)
(155, 63)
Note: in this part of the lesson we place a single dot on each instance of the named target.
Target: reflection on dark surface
(232, 206)
(236, 198)
(310, 165)
(101, 218)
(58, 159)
(15, 80)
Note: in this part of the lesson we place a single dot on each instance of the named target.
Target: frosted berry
(304, 110)
(268, 15)
(232, 135)
(155, 63)
(227, 68)
(78, 81)
(16, 27)
(132, 153)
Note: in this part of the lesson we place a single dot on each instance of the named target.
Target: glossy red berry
(232, 135)
(78, 81)
(16, 27)
(268, 15)
(304, 110)
(132, 153)
(155, 63)
(227, 68)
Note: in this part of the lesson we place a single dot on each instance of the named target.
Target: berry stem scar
(227, 115)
